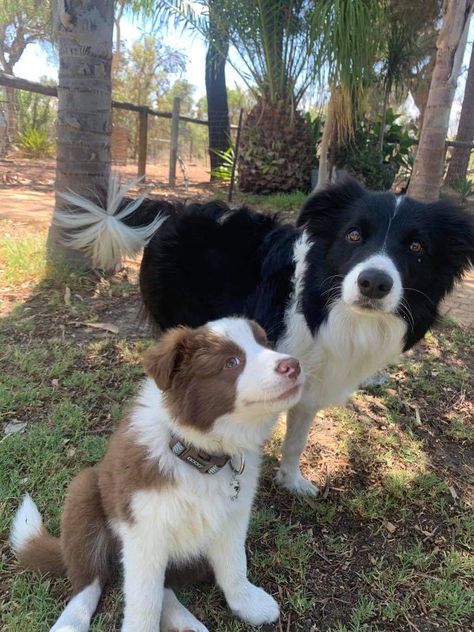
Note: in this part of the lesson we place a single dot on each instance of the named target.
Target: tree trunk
(428, 168)
(12, 127)
(328, 132)
(216, 92)
(388, 89)
(458, 165)
(85, 31)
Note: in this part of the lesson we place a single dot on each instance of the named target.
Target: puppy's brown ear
(162, 360)
(259, 334)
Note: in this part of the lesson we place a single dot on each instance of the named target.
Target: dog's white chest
(186, 517)
(346, 350)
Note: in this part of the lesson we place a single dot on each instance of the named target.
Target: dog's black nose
(374, 283)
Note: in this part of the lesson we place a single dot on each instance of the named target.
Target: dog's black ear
(452, 228)
(323, 209)
(162, 360)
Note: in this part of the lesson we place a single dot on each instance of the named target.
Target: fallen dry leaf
(391, 528)
(105, 326)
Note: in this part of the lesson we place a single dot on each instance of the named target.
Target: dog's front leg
(144, 575)
(229, 562)
(298, 423)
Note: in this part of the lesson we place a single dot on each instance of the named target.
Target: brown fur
(43, 554)
(95, 496)
(124, 469)
(189, 365)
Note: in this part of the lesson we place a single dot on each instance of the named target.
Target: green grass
(22, 260)
(391, 547)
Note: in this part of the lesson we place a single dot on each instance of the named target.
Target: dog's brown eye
(354, 235)
(232, 363)
(416, 248)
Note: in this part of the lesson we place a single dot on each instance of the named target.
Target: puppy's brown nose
(289, 367)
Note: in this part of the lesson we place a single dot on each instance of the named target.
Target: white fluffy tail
(33, 545)
(100, 232)
(27, 525)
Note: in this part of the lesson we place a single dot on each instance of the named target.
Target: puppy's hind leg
(176, 618)
(86, 549)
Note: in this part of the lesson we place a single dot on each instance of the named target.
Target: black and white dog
(357, 281)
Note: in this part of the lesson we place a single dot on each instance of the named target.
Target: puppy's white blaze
(350, 290)
(100, 232)
(27, 524)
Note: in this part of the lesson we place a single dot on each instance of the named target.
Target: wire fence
(164, 147)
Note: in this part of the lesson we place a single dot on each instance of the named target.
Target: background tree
(350, 34)
(21, 23)
(216, 88)
(459, 162)
(143, 75)
(84, 31)
(407, 48)
(202, 17)
(278, 58)
(429, 161)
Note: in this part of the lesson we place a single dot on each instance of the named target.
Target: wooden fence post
(142, 140)
(174, 141)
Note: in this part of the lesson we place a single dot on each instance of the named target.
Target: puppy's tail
(108, 234)
(33, 545)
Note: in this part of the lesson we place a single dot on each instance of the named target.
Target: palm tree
(460, 157)
(350, 35)
(429, 161)
(276, 56)
(84, 31)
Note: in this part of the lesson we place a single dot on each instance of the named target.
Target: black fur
(208, 261)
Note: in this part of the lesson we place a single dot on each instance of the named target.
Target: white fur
(27, 524)
(349, 347)
(100, 232)
(77, 615)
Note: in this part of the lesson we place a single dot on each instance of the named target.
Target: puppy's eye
(354, 235)
(416, 248)
(232, 363)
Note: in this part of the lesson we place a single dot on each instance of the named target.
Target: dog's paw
(253, 605)
(295, 483)
(176, 618)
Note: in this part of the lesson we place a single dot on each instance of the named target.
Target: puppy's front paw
(295, 483)
(253, 605)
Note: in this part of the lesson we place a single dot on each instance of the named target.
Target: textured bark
(216, 92)
(428, 168)
(276, 150)
(458, 165)
(328, 132)
(85, 30)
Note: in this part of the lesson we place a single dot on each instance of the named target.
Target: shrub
(224, 170)
(362, 157)
(464, 187)
(35, 142)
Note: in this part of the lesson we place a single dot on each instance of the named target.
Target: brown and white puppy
(210, 401)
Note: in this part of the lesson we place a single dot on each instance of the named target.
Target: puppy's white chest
(186, 519)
